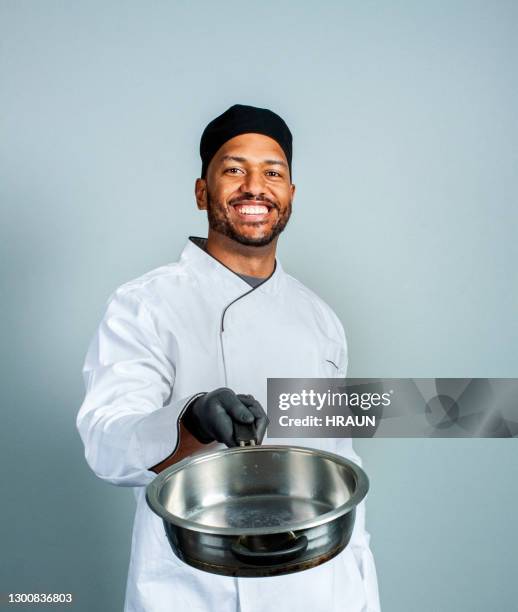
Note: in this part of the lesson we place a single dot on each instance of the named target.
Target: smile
(256, 209)
(255, 212)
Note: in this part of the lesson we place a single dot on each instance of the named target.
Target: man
(185, 351)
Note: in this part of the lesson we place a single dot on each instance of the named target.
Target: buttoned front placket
(238, 304)
(229, 289)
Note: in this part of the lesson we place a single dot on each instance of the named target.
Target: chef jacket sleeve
(360, 538)
(127, 421)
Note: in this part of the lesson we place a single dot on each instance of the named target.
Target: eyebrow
(272, 162)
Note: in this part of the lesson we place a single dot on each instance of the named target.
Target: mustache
(251, 197)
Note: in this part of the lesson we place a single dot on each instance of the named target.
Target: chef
(184, 351)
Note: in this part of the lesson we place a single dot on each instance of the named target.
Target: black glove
(211, 416)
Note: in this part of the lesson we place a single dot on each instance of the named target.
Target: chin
(250, 238)
(253, 240)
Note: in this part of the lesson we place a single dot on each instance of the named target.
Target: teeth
(253, 210)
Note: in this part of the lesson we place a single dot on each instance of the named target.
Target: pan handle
(267, 550)
(245, 434)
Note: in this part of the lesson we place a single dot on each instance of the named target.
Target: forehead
(253, 147)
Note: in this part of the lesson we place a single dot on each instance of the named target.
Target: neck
(240, 258)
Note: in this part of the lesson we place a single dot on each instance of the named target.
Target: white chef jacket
(186, 328)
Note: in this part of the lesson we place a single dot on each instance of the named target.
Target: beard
(219, 222)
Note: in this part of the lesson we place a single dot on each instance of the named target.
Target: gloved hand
(211, 416)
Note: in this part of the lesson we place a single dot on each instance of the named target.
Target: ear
(200, 191)
(292, 191)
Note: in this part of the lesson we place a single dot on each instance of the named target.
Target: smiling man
(183, 354)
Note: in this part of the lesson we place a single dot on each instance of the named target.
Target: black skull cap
(241, 119)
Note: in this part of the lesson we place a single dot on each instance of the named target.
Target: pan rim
(154, 487)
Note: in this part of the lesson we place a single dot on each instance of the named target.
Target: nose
(253, 183)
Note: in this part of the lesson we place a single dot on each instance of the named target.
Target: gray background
(404, 116)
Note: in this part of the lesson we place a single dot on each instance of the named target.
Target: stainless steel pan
(258, 510)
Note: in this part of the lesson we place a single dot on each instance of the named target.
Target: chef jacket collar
(201, 261)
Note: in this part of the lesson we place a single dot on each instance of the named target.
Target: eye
(273, 173)
(233, 170)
